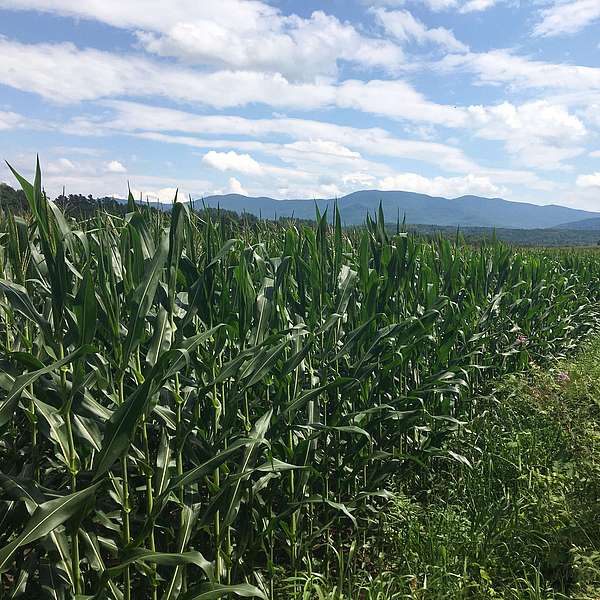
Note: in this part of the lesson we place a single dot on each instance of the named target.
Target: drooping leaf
(47, 517)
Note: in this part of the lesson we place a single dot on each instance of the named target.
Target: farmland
(197, 408)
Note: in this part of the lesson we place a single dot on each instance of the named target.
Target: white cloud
(477, 5)
(440, 4)
(235, 187)
(59, 166)
(152, 121)
(232, 161)
(567, 16)
(80, 150)
(589, 181)
(234, 34)
(319, 147)
(362, 180)
(449, 187)
(90, 74)
(90, 176)
(114, 166)
(538, 134)
(151, 14)
(299, 49)
(162, 195)
(501, 67)
(10, 120)
(323, 147)
(396, 99)
(463, 6)
(435, 5)
(405, 27)
(595, 154)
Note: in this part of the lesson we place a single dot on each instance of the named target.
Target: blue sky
(293, 98)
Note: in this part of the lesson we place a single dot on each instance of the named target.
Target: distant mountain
(472, 211)
(582, 225)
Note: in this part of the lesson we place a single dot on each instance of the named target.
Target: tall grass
(190, 407)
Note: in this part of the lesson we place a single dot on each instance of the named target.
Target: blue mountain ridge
(465, 211)
(417, 208)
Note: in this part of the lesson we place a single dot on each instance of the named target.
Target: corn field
(193, 408)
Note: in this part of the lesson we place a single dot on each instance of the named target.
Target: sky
(304, 99)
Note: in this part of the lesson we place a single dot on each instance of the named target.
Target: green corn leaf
(121, 427)
(23, 381)
(163, 458)
(142, 300)
(212, 591)
(85, 308)
(19, 300)
(47, 517)
(170, 559)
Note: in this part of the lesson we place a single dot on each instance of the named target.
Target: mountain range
(583, 225)
(465, 211)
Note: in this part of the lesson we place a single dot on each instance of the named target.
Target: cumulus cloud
(232, 161)
(235, 187)
(441, 186)
(163, 195)
(477, 5)
(235, 34)
(299, 49)
(566, 17)
(539, 134)
(402, 25)
(114, 166)
(589, 181)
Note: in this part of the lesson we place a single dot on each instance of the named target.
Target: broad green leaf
(212, 591)
(23, 381)
(47, 517)
(142, 300)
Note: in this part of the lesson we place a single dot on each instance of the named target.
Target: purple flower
(562, 377)
(521, 339)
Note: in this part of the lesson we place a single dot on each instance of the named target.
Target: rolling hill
(472, 211)
(592, 224)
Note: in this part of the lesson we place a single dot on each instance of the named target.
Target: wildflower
(521, 339)
(562, 377)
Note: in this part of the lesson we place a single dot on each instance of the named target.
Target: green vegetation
(518, 237)
(522, 521)
(79, 206)
(198, 407)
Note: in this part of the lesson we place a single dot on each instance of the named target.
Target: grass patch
(523, 522)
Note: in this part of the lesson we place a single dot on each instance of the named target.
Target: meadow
(197, 408)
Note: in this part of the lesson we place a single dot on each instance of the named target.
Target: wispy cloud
(403, 26)
(567, 17)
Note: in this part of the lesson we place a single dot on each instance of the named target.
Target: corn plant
(193, 408)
